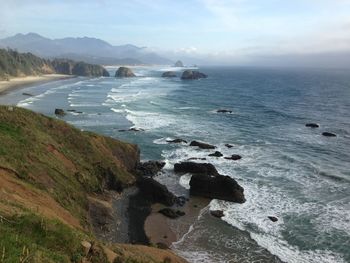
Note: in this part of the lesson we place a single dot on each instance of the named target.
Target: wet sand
(21, 82)
(160, 229)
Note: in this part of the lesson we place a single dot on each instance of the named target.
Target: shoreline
(22, 82)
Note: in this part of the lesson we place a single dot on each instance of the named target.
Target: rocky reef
(124, 72)
(192, 74)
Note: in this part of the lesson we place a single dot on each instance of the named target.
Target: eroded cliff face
(49, 171)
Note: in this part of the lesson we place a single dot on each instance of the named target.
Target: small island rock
(169, 74)
(312, 125)
(179, 64)
(191, 74)
(124, 72)
(202, 145)
(329, 134)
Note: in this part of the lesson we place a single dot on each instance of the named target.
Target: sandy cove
(20, 82)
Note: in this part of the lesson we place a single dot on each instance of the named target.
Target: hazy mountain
(91, 50)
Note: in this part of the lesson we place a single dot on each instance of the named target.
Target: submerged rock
(190, 74)
(124, 72)
(329, 134)
(195, 168)
(228, 145)
(27, 94)
(216, 187)
(196, 158)
(273, 218)
(169, 74)
(60, 112)
(216, 154)
(217, 213)
(150, 168)
(171, 213)
(155, 192)
(312, 125)
(176, 141)
(234, 157)
(224, 111)
(202, 145)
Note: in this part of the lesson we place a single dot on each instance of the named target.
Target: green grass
(75, 168)
(36, 239)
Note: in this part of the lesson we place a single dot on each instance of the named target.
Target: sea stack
(124, 72)
(191, 74)
(179, 64)
(169, 74)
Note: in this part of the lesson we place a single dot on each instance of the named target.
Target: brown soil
(17, 192)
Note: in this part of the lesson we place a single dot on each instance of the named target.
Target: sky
(220, 31)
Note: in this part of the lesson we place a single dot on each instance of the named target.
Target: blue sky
(217, 29)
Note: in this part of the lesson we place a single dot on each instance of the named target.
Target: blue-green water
(287, 170)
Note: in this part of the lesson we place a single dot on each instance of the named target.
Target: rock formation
(124, 72)
(191, 74)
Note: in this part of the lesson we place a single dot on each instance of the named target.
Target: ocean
(287, 170)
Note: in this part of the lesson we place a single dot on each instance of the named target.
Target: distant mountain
(90, 50)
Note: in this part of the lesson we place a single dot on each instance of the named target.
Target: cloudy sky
(217, 30)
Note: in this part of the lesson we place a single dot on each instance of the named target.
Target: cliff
(15, 64)
(49, 171)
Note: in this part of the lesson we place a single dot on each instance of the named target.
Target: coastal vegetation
(49, 173)
(16, 64)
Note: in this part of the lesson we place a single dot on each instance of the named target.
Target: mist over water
(287, 170)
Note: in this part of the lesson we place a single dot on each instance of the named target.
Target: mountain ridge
(83, 47)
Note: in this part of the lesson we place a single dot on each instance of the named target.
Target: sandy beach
(20, 82)
(160, 229)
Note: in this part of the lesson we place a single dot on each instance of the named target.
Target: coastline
(21, 82)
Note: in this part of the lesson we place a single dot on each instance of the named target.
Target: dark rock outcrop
(234, 157)
(70, 67)
(171, 213)
(179, 64)
(202, 145)
(216, 154)
(218, 187)
(124, 72)
(150, 168)
(273, 218)
(27, 94)
(177, 141)
(169, 74)
(191, 74)
(60, 112)
(195, 168)
(155, 192)
(329, 134)
(228, 145)
(312, 125)
(224, 111)
(217, 213)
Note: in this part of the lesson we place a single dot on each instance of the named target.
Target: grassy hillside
(15, 64)
(48, 171)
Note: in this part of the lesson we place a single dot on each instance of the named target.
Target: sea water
(288, 170)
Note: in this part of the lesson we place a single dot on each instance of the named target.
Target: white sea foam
(149, 120)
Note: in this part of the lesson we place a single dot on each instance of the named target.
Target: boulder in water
(191, 74)
(234, 157)
(124, 72)
(329, 134)
(217, 213)
(312, 125)
(202, 145)
(169, 74)
(195, 168)
(228, 145)
(176, 141)
(216, 154)
(224, 111)
(216, 187)
(273, 218)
